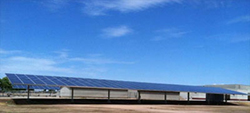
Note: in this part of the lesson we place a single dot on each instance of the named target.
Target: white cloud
(31, 65)
(113, 32)
(99, 61)
(169, 33)
(231, 38)
(2, 51)
(55, 65)
(209, 4)
(100, 7)
(62, 53)
(241, 19)
(54, 5)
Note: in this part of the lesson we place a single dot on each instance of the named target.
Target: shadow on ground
(105, 101)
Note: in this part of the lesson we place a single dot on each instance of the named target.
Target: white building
(235, 87)
(238, 88)
(117, 94)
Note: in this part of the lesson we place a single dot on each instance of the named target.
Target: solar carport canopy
(35, 87)
(39, 80)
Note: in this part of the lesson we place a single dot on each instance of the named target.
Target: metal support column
(108, 95)
(226, 98)
(188, 95)
(28, 96)
(165, 97)
(72, 94)
(139, 97)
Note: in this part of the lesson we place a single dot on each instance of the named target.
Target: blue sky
(194, 42)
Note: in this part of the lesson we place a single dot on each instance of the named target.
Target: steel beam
(165, 97)
(139, 97)
(226, 98)
(28, 96)
(72, 94)
(108, 95)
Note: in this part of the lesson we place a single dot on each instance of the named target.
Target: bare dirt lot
(7, 105)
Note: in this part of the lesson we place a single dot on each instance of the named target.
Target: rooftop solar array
(39, 80)
(35, 87)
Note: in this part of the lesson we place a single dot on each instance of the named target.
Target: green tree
(5, 84)
(0, 84)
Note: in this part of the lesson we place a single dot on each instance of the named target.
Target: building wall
(102, 93)
(239, 88)
(239, 97)
(160, 95)
(193, 96)
(131, 94)
(65, 92)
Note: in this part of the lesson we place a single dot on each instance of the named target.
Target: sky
(192, 42)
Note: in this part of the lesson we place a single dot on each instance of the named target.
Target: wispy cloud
(231, 38)
(103, 7)
(99, 61)
(100, 7)
(169, 33)
(240, 19)
(113, 32)
(55, 5)
(62, 53)
(21, 64)
(2, 51)
(208, 4)
(61, 64)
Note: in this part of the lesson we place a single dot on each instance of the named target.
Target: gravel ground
(8, 106)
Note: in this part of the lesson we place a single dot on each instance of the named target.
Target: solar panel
(35, 87)
(37, 81)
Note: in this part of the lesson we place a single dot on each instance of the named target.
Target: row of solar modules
(70, 81)
(100, 83)
(35, 87)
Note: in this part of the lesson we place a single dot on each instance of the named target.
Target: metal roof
(40, 80)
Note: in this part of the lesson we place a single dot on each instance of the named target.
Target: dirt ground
(9, 107)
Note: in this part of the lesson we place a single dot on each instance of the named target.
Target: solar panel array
(35, 87)
(39, 80)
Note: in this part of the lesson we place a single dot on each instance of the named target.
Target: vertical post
(72, 94)
(50, 92)
(28, 96)
(108, 95)
(139, 97)
(208, 98)
(188, 95)
(165, 97)
(226, 98)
